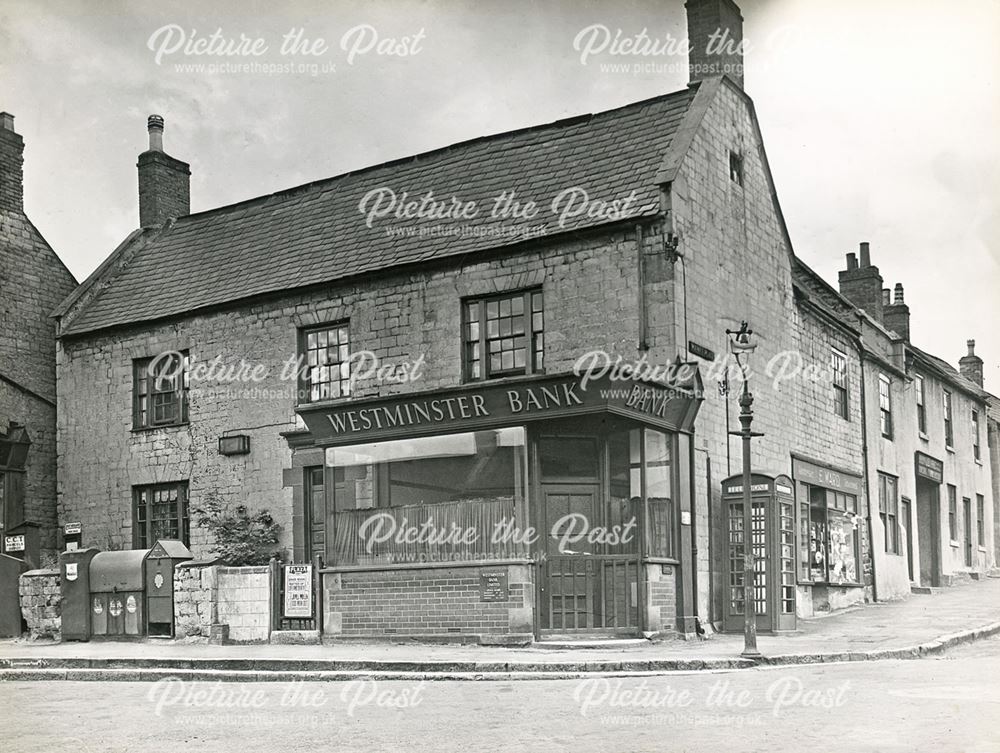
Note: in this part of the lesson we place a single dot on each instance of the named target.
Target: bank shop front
(502, 513)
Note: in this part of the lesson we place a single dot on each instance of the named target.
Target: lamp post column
(749, 606)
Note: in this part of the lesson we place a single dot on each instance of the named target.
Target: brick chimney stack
(164, 182)
(11, 166)
(861, 284)
(971, 365)
(896, 315)
(715, 39)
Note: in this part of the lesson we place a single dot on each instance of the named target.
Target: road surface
(945, 704)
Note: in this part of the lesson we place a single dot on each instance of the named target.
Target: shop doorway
(929, 532)
(589, 582)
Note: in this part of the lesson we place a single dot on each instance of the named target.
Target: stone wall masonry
(243, 602)
(41, 599)
(736, 266)
(590, 302)
(239, 597)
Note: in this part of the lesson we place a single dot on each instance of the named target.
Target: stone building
(489, 386)
(33, 281)
(929, 473)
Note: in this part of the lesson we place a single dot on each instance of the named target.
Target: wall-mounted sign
(929, 467)
(72, 528)
(298, 591)
(701, 351)
(493, 586)
(72, 573)
(477, 407)
(236, 444)
(828, 478)
(13, 543)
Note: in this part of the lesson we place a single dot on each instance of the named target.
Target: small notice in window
(298, 591)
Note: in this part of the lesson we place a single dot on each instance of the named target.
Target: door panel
(583, 589)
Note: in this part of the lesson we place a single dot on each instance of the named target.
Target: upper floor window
(160, 386)
(160, 511)
(838, 367)
(949, 436)
(888, 510)
(503, 335)
(976, 450)
(921, 406)
(736, 168)
(325, 353)
(885, 405)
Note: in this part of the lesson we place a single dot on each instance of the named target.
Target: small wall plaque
(493, 586)
(237, 444)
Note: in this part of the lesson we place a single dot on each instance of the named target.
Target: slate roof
(315, 233)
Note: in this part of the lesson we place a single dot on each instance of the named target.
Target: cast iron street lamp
(741, 345)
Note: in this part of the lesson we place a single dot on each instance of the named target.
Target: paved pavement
(946, 704)
(903, 629)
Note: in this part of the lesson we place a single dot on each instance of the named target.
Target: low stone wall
(244, 603)
(40, 603)
(193, 600)
(239, 597)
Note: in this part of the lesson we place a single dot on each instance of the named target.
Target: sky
(879, 116)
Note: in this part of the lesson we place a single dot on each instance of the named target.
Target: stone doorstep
(295, 637)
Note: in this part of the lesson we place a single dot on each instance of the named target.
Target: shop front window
(455, 497)
(828, 537)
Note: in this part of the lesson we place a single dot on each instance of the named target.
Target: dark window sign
(929, 468)
(493, 586)
(485, 406)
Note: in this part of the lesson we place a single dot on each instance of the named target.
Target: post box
(74, 585)
(116, 594)
(165, 555)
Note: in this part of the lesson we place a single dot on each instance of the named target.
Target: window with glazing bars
(159, 511)
(888, 508)
(953, 512)
(949, 436)
(885, 405)
(503, 335)
(980, 520)
(921, 407)
(325, 354)
(160, 387)
(976, 450)
(838, 368)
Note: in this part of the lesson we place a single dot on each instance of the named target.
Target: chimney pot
(971, 365)
(898, 294)
(154, 124)
(866, 260)
(7, 122)
(886, 297)
(852, 261)
(971, 344)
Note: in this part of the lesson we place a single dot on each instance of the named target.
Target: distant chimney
(715, 39)
(164, 182)
(896, 315)
(11, 166)
(971, 365)
(862, 285)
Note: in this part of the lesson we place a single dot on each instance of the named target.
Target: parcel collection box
(160, 563)
(74, 585)
(116, 593)
(123, 594)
